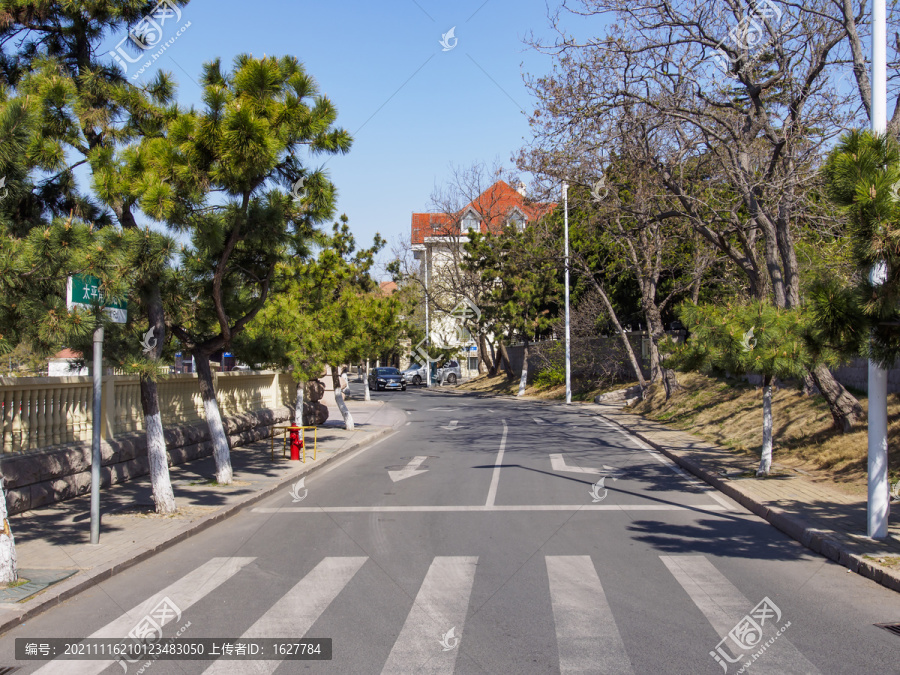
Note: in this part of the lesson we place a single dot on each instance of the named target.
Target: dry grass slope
(729, 414)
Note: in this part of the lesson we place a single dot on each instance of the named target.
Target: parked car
(386, 378)
(449, 373)
(415, 374)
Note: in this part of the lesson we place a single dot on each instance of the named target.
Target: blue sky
(413, 108)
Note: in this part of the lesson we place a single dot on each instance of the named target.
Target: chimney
(521, 188)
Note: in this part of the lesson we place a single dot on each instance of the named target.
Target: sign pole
(85, 292)
(96, 457)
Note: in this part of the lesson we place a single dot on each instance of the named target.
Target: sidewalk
(820, 517)
(54, 542)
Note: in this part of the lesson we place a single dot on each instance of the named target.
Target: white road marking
(586, 634)
(724, 606)
(452, 426)
(672, 466)
(349, 456)
(441, 409)
(558, 463)
(183, 593)
(441, 604)
(489, 508)
(538, 420)
(495, 476)
(408, 423)
(295, 613)
(410, 470)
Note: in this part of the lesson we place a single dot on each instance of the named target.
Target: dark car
(386, 378)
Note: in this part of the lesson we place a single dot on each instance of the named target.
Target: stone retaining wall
(855, 373)
(52, 475)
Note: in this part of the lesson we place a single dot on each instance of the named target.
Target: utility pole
(879, 496)
(427, 325)
(565, 187)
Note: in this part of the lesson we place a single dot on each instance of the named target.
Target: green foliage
(552, 377)
(525, 281)
(755, 337)
(326, 310)
(242, 145)
(863, 175)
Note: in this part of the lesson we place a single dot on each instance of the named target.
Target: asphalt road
(495, 536)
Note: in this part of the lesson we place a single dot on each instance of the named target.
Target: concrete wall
(853, 374)
(591, 357)
(856, 374)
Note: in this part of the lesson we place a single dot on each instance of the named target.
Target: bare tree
(737, 109)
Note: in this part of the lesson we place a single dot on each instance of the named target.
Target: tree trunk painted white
(158, 459)
(765, 460)
(339, 399)
(298, 404)
(221, 450)
(160, 483)
(8, 570)
(163, 496)
(366, 382)
(524, 377)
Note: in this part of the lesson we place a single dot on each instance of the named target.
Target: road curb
(791, 524)
(59, 593)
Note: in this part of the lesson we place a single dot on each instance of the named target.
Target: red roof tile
(494, 205)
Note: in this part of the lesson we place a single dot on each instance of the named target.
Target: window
(516, 220)
(470, 222)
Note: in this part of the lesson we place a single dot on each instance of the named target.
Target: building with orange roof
(437, 242)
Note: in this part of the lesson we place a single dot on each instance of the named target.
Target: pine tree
(324, 311)
(87, 113)
(862, 317)
(240, 147)
(753, 338)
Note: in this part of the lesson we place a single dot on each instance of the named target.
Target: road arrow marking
(558, 462)
(411, 469)
(452, 426)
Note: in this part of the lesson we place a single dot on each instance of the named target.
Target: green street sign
(83, 290)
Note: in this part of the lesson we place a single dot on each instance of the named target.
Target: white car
(415, 374)
(449, 373)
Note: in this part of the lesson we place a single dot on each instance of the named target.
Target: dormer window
(471, 222)
(516, 220)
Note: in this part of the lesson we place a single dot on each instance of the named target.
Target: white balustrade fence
(41, 412)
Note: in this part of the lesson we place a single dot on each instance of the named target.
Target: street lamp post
(565, 187)
(427, 326)
(879, 496)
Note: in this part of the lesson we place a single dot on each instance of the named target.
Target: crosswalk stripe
(724, 606)
(586, 633)
(441, 605)
(182, 594)
(295, 613)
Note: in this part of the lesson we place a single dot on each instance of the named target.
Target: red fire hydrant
(296, 444)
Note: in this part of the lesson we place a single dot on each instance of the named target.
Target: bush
(552, 377)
